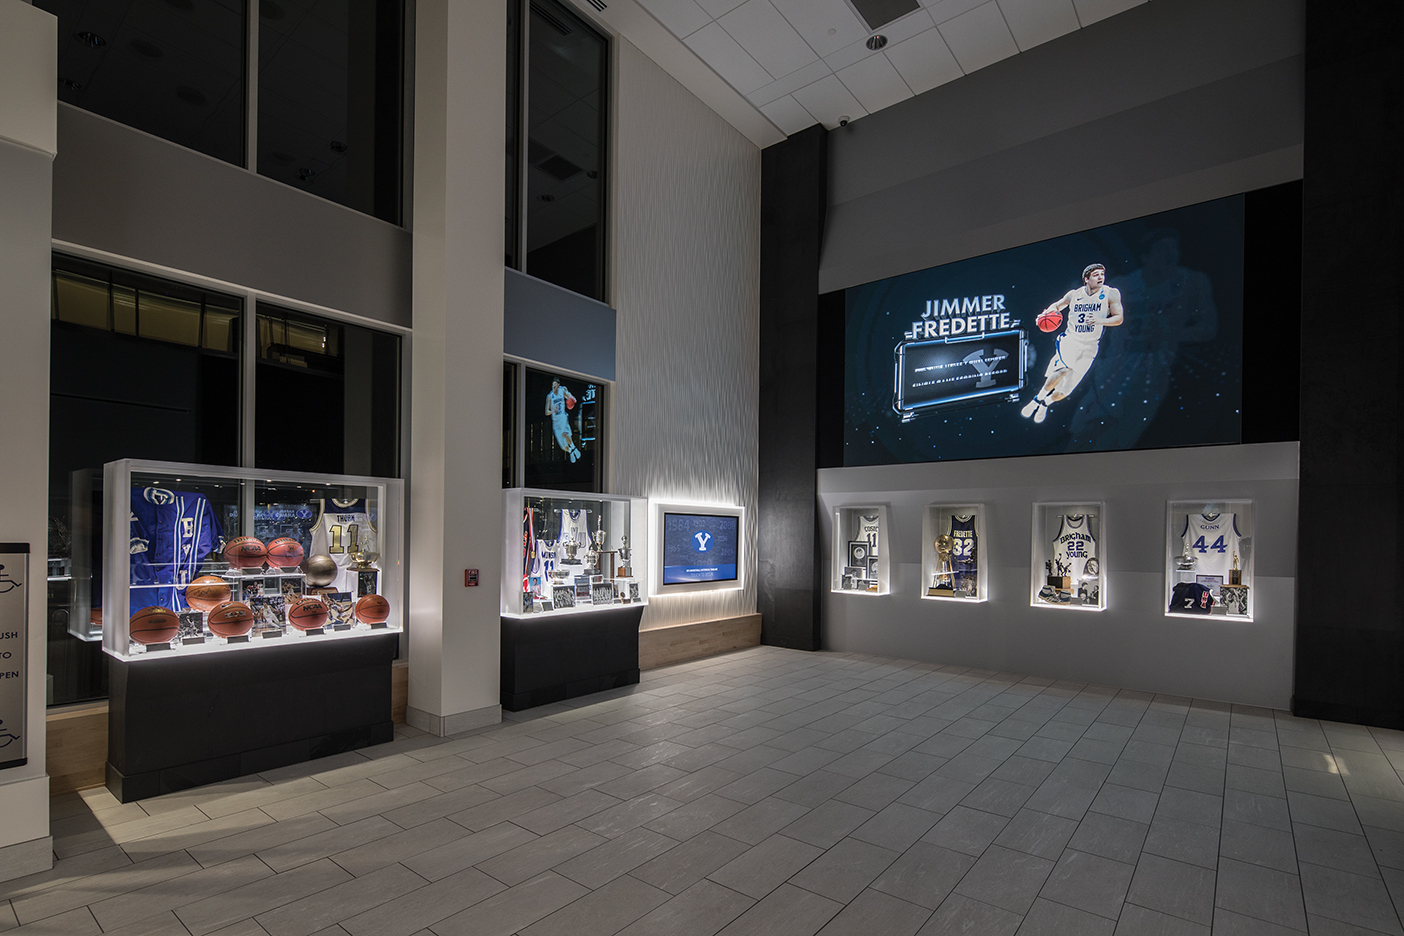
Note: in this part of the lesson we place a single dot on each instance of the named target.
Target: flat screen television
(700, 548)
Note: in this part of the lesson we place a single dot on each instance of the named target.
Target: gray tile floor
(776, 792)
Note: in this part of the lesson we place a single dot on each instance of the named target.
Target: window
(173, 68)
(327, 395)
(555, 182)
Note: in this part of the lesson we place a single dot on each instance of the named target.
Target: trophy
(365, 552)
(1058, 576)
(1235, 574)
(624, 571)
(1234, 595)
(942, 580)
(1186, 561)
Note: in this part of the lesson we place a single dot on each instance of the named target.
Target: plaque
(367, 582)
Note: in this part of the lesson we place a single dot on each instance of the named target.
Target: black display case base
(186, 721)
(547, 658)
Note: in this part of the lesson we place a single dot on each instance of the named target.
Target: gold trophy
(942, 580)
(1235, 594)
(365, 553)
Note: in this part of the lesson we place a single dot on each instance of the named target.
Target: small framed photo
(858, 553)
(563, 596)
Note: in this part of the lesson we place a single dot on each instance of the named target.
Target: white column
(456, 359)
(28, 134)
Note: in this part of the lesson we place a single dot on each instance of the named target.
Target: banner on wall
(14, 616)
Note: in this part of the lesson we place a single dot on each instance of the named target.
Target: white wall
(1130, 644)
(28, 63)
(686, 223)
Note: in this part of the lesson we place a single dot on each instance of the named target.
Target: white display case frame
(116, 587)
(846, 518)
(1045, 519)
(656, 511)
(934, 523)
(1177, 512)
(628, 516)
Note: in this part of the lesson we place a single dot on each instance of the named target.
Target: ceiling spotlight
(306, 175)
(548, 197)
(149, 49)
(876, 42)
(338, 146)
(68, 84)
(90, 39)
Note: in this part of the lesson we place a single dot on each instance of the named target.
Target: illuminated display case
(861, 552)
(1069, 557)
(569, 554)
(953, 553)
(199, 559)
(1209, 559)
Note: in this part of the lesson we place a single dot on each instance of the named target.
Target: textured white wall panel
(687, 289)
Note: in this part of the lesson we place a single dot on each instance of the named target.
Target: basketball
(372, 609)
(1048, 321)
(153, 625)
(320, 570)
(245, 552)
(308, 614)
(231, 619)
(570, 402)
(285, 553)
(207, 593)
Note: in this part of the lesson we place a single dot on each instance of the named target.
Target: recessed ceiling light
(149, 49)
(876, 42)
(832, 31)
(90, 39)
(306, 175)
(338, 146)
(68, 84)
(548, 197)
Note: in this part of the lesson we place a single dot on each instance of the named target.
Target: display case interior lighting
(701, 557)
(1065, 533)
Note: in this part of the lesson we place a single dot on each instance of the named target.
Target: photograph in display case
(860, 560)
(1209, 558)
(183, 539)
(568, 552)
(1069, 550)
(953, 544)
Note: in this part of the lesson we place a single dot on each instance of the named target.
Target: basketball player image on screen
(1091, 308)
(1075, 549)
(558, 402)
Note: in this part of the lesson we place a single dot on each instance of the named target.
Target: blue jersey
(171, 534)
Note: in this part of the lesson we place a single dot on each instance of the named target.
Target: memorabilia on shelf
(860, 560)
(951, 554)
(1210, 546)
(569, 552)
(1068, 556)
(943, 580)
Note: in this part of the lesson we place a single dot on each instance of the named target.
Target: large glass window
(174, 68)
(329, 99)
(562, 164)
(140, 367)
(327, 396)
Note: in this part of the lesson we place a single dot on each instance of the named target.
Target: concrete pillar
(28, 141)
(455, 502)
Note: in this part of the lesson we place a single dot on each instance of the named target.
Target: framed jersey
(1209, 559)
(859, 564)
(1069, 557)
(200, 559)
(953, 553)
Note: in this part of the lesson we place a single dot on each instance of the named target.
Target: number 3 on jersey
(1218, 545)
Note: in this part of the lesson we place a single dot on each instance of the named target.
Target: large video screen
(699, 548)
(563, 429)
(1121, 337)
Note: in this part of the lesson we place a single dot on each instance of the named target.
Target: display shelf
(1209, 559)
(168, 527)
(861, 551)
(1068, 565)
(961, 574)
(568, 554)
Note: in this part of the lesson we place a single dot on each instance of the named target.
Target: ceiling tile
(1034, 22)
(875, 83)
(794, 80)
(716, 8)
(733, 63)
(814, 20)
(979, 37)
(788, 114)
(771, 40)
(1089, 11)
(924, 61)
(897, 31)
(680, 17)
(828, 100)
(943, 10)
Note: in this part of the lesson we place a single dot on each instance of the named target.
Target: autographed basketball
(207, 593)
(153, 625)
(231, 619)
(320, 570)
(245, 552)
(308, 614)
(285, 553)
(372, 609)
(1049, 321)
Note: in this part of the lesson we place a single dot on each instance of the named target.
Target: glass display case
(567, 553)
(952, 557)
(1069, 552)
(1209, 558)
(860, 564)
(202, 559)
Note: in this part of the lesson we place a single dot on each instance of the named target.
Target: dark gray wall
(543, 322)
(134, 195)
(1167, 104)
